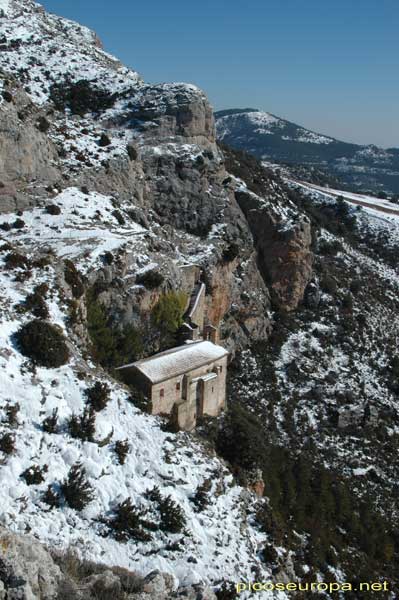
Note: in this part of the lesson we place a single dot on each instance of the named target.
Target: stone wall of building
(165, 395)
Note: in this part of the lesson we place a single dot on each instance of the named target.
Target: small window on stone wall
(178, 386)
(161, 393)
(212, 390)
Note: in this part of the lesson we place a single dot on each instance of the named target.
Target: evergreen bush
(98, 395)
(73, 279)
(173, 519)
(53, 209)
(34, 475)
(111, 347)
(122, 449)
(7, 443)
(50, 423)
(36, 303)
(167, 317)
(77, 492)
(51, 497)
(83, 427)
(44, 343)
(150, 279)
(80, 97)
(128, 523)
(15, 260)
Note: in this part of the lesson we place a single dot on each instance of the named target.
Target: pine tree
(76, 489)
(122, 448)
(172, 516)
(128, 523)
(50, 423)
(98, 395)
(83, 427)
(51, 497)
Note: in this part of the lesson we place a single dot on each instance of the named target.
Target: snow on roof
(177, 361)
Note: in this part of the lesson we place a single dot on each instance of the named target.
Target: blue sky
(330, 65)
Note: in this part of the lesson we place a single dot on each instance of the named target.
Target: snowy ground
(370, 203)
(215, 545)
(85, 229)
(43, 49)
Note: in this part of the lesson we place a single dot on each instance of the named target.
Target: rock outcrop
(284, 254)
(27, 154)
(28, 571)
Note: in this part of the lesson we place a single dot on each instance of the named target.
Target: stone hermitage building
(189, 381)
(186, 382)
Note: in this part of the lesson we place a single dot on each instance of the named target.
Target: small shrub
(98, 395)
(5, 227)
(7, 443)
(53, 209)
(76, 489)
(50, 424)
(172, 516)
(83, 427)
(119, 217)
(330, 248)
(231, 252)
(34, 475)
(44, 343)
(43, 125)
(167, 314)
(14, 260)
(226, 592)
(150, 279)
(18, 224)
(36, 303)
(12, 414)
(7, 96)
(154, 495)
(51, 497)
(328, 284)
(42, 262)
(128, 523)
(111, 346)
(108, 258)
(122, 449)
(140, 401)
(104, 140)
(73, 279)
(201, 498)
(80, 97)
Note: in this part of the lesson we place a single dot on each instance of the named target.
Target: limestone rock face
(26, 153)
(27, 569)
(285, 257)
(171, 109)
(29, 572)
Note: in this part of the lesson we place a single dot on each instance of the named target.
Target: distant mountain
(277, 140)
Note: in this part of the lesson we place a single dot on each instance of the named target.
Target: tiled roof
(178, 361)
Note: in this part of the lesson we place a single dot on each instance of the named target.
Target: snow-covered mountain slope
(220, 542)
(42, 49)
(277, 140)
(263, 123)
